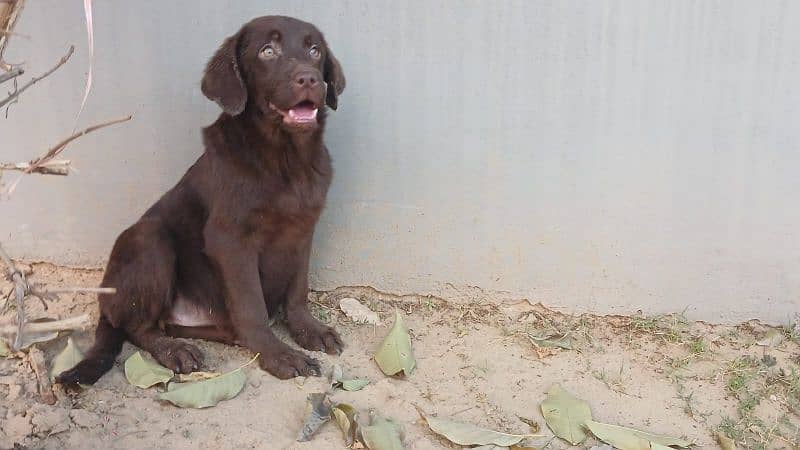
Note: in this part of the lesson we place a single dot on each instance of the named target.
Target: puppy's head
(279, 66)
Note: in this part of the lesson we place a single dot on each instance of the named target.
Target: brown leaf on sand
(544, 352)
(39, 366)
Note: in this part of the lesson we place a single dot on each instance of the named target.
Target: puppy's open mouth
(302, 113)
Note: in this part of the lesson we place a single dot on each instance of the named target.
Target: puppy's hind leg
(146, 286)
(142, 270)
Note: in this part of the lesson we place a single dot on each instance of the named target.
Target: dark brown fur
(232, 238)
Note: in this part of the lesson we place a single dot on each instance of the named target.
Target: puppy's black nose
(305, 79)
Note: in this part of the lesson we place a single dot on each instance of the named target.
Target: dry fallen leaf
(772, 339)
(66, 359)
(631, 439)
(381, 433)
(337, 380)
(467, 434)
(5, 349)
(557, 341)
(566, 414)
(29, 339)
(395, 353)
(531, 423)
(319, 413)
(354, 385)
(544, 352)
(725, 442)
(358, 312)
(144, 373)
(345, 418)
(203, 394)
(206, 393)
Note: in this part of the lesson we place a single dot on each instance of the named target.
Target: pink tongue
(303, 112)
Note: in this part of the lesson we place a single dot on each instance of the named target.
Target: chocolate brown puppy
(230, 243)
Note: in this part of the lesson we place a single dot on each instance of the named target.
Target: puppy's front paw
(180, 357)
(288, 363)
(315, 336)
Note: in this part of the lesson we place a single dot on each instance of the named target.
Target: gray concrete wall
(608, 156)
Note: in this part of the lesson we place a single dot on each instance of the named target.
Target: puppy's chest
(287, 210)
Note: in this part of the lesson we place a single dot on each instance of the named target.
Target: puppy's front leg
(306, 330)
(237, 263)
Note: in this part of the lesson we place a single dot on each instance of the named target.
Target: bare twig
(20, 289)
(35, 80)
(79, 290)
(54, 167)
(320, 304)
(12, 33)
(55, 150)
(72, 323)
(45, 164)
(13, 73)
(42, 293)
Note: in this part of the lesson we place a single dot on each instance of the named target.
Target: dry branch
(72, 323)
(55, 150)
(76, 290)
(23, 289)
(20, 290)
(13, 73)
(9, 13)
(54, 167)
(35, 80)
(47, 165)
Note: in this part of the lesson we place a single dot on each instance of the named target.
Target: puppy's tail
(99, 359)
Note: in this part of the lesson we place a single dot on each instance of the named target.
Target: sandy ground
(476, 364)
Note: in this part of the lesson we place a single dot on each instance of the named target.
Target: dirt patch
(481, 362)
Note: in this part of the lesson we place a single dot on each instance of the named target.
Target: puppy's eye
(314, 52)
(268, 52)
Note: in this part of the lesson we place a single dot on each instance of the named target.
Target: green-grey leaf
(395, 353)
(466, 434)
(29, 339)
(381, 434)
(337, 380)
(630, 439)
(772, 339)
(206, 393)
(354, 385)
(566, 415)
(66, 359)
(656, 446)
(552, 341)
(144, 373)
(5, 350)
(319, 413)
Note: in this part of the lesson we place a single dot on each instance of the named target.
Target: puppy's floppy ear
(222, 81)
(334, 77)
